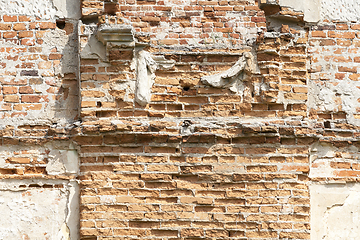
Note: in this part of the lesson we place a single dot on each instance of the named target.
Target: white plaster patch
(44, 9)
(61, 157)
(343, 10)
(66, 45)
(310, 8)
(322, 154)
(33, 214)
(62, 162)
(316, 10)
(337, 208)
(329, 97)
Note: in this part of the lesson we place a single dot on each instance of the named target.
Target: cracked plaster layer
(318, 10)
(26, 216)
(337, 208)
(45, 9)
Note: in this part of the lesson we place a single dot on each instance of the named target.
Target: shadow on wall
(67, 100)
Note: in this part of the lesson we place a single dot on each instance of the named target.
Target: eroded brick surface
(195, 161)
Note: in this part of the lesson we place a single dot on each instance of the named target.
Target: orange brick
(19, 26)
(5, 26)
(11, 98)
(47, 25)
(7, 18)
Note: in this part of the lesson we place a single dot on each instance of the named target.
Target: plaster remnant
(73, 203)
(310, 8)
(61, 158)
(26, 213)
(329, 97)
(341, 10)
(66, 44)
(62, 162)
(336, 207)
(319, 160)
(94, 49)
(237, 73)
(146, 67)
(322, 154)
(45, 9)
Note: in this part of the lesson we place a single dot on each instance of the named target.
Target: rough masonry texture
(179, 119)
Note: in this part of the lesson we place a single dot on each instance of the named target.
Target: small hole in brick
(98, 104)
(186, 88)
(327, 124)
(60, 24)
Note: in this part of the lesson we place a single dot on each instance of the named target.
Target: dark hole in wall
(60, 23)
(186, 88)
(65, 25)
(111, 8)
(327, 124)
(270, 9)
(90, 20)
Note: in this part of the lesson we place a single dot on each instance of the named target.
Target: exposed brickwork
(217, 182)
(180, 177)
(196, 23)
(196, 162)
(30, 77)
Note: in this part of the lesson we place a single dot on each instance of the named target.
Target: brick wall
(221, 181)
(172, 168)
(196, 161)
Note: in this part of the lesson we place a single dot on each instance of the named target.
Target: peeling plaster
(331, 97)
(62, 157)
(45, 9)
(342, 10)
(322, 153)
(25, 214)
(39, 213)
(233, 77)
(67, 45)
(62, 162)
(337, 207)
(146, 67)
(310, 8)
(59, 109)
